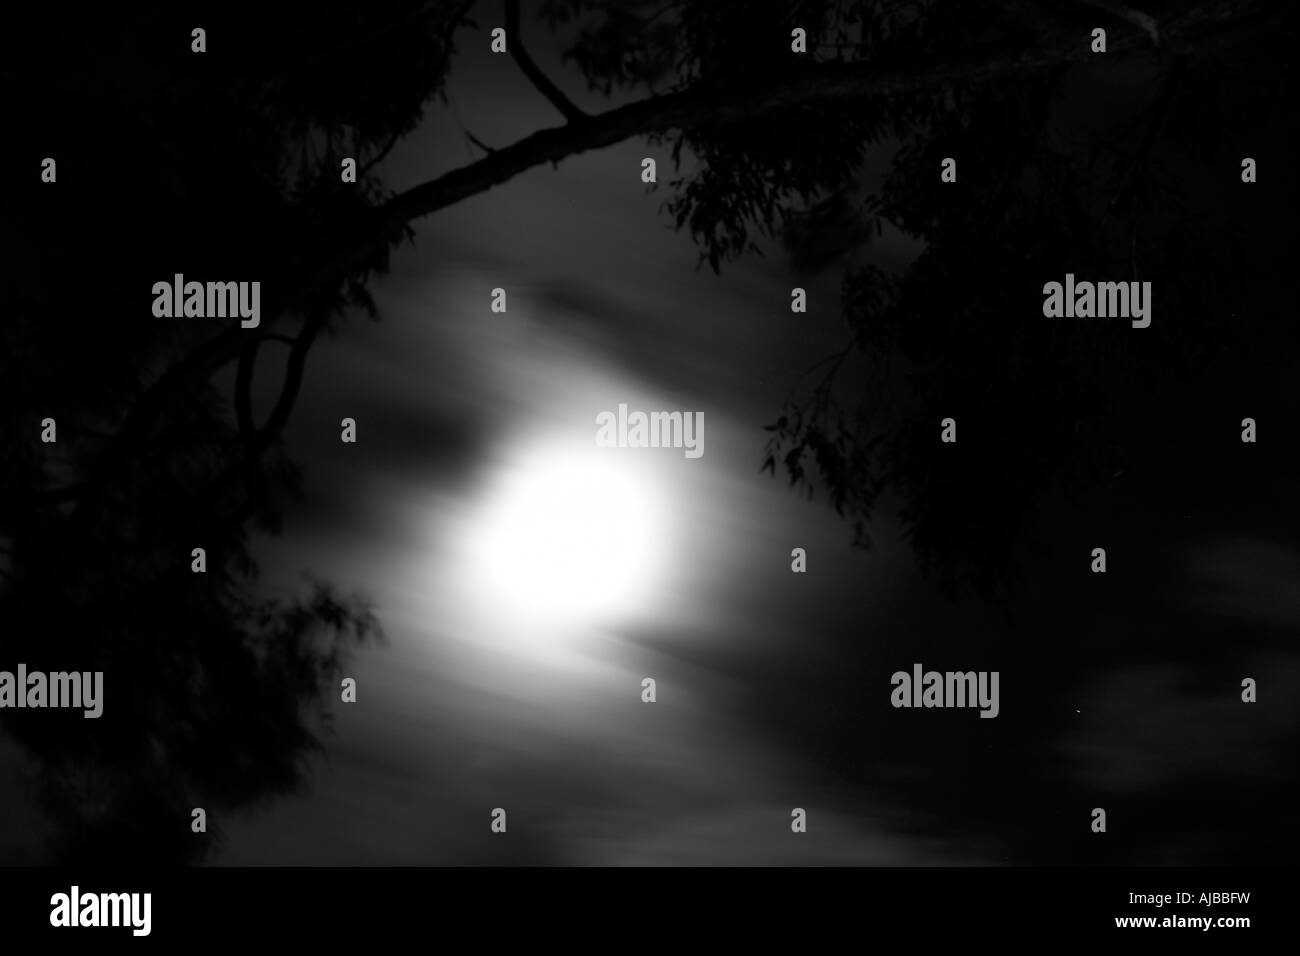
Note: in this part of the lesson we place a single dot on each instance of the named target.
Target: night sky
(772, 687)
(454, 718)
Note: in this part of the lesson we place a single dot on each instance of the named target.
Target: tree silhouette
(218, 168)
(1103, 170)
(228, 165)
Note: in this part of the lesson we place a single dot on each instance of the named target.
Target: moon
(567, 538)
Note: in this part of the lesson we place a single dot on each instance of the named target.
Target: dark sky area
(605, 307)
(772, 686)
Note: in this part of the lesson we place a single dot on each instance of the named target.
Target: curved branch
(479, 143)
(1143, 21)
(1200, 29)
(379, 156)
(293, 375)
(514, 40)
(244, 390)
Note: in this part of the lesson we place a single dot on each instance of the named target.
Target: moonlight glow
(569, 537)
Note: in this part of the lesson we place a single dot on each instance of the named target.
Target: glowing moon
(568, 536)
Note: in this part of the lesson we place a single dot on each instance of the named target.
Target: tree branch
(515, 43)
(1198, 30)
(379, 156)
(479, 143)
(293, 375)
(244, 390)
(1143, 21)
